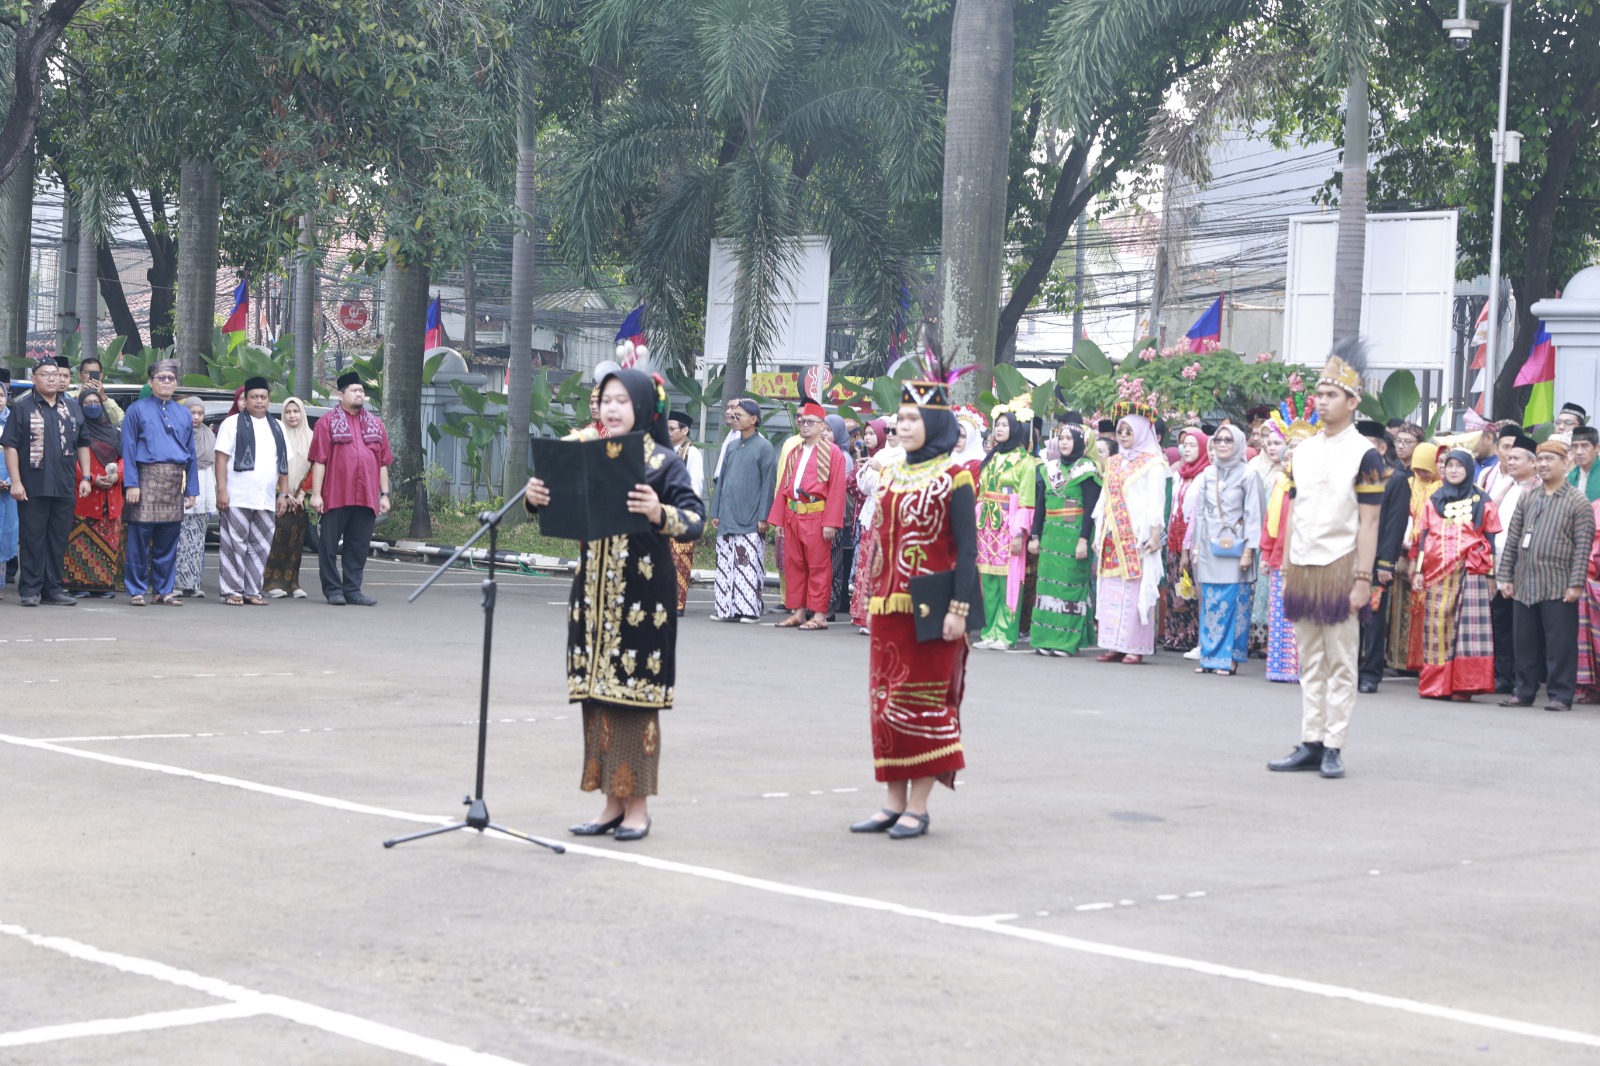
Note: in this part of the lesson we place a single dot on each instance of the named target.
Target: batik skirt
(288, 548)
(1405, 630)
(1588, 634)
(861, 582)
(191, 568)
(914, 694)
(1283, 653)
(682, 564)
(1117, 612)
(94, 556)
(741, 575)
(1224, 625)
(1457, 636)
(1180, 623)
(621, 750)
(1260, 607)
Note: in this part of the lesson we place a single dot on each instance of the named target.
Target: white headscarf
(972, 450)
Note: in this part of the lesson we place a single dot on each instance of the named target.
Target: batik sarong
(191, 552)
(1588, 634)
(1117, 612)
(861, 583)
(288, 548)
(1224, 625)
(682, 565)
(1180, 622)
(93, 561)
(1260, 604)
(242, 558)
(741, 575)
(621, 750)
(914, 691)
(1457, 636)
(1283, 655)
(160, 495)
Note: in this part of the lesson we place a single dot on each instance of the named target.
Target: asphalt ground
(194, 798)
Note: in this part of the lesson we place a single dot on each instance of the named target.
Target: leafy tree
(757, 121)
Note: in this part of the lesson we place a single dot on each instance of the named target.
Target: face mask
(93, 410)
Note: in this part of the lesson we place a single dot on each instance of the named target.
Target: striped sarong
(246, 543)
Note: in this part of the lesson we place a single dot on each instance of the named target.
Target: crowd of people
(1341, 551)
(95, 500)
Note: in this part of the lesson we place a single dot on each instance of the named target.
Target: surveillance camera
(1460, 32)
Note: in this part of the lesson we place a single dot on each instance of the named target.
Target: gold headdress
(1344, 366)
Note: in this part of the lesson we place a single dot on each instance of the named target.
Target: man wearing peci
(46, 442)
(350, 460)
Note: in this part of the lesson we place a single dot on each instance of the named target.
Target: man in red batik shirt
(809, 508)
(350, 460)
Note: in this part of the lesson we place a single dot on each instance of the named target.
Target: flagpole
(1492, 359)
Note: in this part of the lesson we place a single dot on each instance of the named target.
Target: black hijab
(942, 432)
(1017, 434)
(1447, 493)
(105, 439)
(1080, 443)
(649, 405)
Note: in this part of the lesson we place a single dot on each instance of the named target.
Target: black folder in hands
(589, 482)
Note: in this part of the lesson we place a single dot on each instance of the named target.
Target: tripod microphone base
(477, 818)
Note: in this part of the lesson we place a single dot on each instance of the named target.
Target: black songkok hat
(252, 384)
(1370, 429)
(1586, 433)
(1105, 425)
(1575, 409)
(1525, 443)
(348, 378)
(5, 376)
(1509, 431)
(680, 418)
(63, 363)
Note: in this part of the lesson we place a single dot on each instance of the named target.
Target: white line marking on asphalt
(1094, 906)
(1166, 898)
(774, 795)
(143, 1023)
(780, 888)
(52, 640)
(347, 1025)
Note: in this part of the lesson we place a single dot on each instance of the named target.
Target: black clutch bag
(930, 602)
(589, 482)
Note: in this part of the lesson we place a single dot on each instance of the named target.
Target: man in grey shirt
(747, 476)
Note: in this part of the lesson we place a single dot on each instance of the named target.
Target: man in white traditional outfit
(252, 473)
(1338, 483)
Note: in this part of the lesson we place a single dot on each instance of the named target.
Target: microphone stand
(477, 812)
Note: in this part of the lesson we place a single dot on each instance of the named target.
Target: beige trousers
(1328, 657)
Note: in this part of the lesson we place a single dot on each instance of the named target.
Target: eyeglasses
(808, 422)
(165, 377)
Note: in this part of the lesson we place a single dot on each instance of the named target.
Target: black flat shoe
(1558, 706)
(876, 825)
(899, 833)
(594, 829)
(1367, 688)
(624, 833)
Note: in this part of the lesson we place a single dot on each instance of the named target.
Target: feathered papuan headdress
(1345, 366)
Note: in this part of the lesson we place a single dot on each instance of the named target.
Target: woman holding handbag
(1224, 531)
(926, 527)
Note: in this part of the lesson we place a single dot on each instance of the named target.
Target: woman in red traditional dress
(925, 523)
(1454, 564)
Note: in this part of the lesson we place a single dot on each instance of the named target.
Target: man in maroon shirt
(350, 460)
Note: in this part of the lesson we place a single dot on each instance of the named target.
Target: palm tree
(977, 143)
(756, 121)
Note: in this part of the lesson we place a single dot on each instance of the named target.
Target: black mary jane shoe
(875, 825)
(624, 833)
(594, 829)
(899, 833)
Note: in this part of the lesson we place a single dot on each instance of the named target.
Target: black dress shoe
(899, 832)
(1554, 706)
(624, 833)
(59, 599)
(1332, 765)
(594, 829)
(29, 601)
(360, 599)
(876, 825)
(1367, 688)
(336, 601)
(1306, 757)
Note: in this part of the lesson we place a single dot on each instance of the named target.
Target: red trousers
(807, 564)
